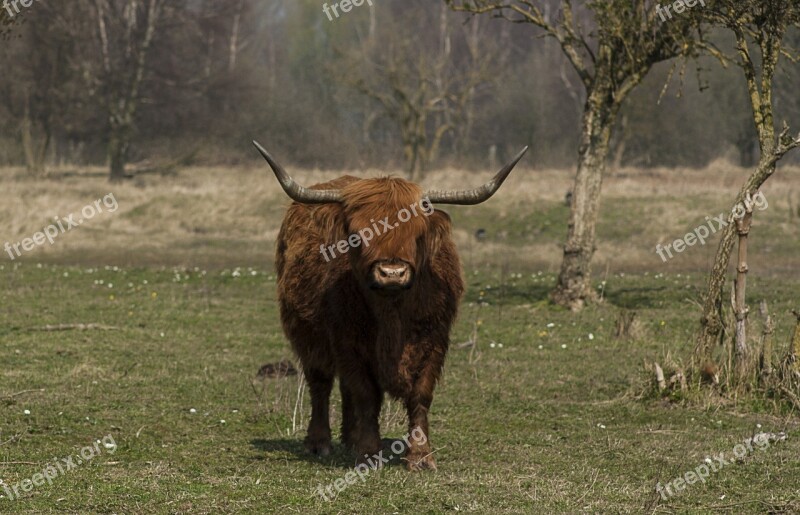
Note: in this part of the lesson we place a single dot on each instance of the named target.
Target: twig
(662, 383)
(9, 440)
(75, 327)
(792, 397)
(298, 405)
(23, 392)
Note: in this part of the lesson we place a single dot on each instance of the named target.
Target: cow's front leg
(419, 455)
(362, 399)
(318, 439)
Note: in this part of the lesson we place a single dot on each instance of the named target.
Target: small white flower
(591, 336)
(162, 335)
(221, 421)
(541, 347)
(27, 412)
(491, 345)
(758, 426)
(563, 345)
(192, 411)
(500, 345)
(551, 325)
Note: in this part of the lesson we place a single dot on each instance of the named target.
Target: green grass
(551, 422)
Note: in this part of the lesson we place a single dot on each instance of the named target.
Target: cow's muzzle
(391, 276)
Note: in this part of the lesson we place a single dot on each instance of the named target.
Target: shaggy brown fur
(374, 342)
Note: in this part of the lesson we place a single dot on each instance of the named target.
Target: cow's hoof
(420, 462)
(318, 447)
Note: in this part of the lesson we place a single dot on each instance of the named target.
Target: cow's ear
(330, 217)
(439, 233)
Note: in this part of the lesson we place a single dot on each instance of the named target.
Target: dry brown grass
(215, 216)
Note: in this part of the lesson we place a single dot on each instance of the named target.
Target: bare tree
(123, 32)
(758, 26)
(428, 95)
(611, 57)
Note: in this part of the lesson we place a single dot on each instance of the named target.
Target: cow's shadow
(283, 449)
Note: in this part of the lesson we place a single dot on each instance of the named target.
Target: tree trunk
(711, 323)
(794, 355)
(118, 152)
(740, 302)
(34, 157)
(234, 41)
(574, 287)
(766, 341)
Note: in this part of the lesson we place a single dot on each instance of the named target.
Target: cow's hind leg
(318, 439)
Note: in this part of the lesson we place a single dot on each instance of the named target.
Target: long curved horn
(294, 190)
(478, 195)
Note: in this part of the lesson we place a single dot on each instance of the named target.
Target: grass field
(547, 414)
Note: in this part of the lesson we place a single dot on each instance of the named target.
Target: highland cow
(377, 315)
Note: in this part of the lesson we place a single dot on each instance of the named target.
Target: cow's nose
(391, 276)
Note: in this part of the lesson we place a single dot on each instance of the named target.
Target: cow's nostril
(391, 275)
